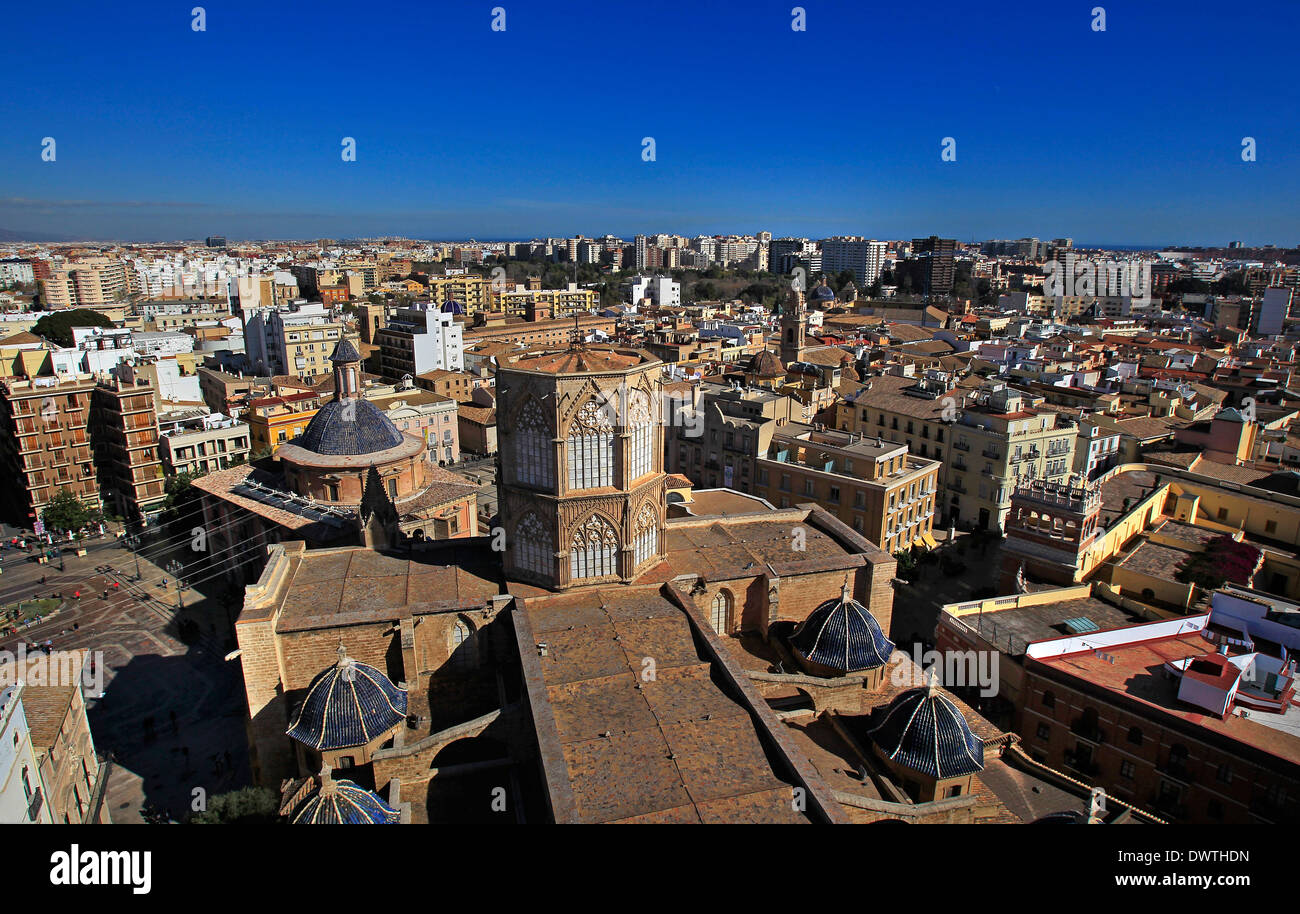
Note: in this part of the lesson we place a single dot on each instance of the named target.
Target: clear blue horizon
(1132, 136)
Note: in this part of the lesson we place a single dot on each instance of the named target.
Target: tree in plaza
(66, 511)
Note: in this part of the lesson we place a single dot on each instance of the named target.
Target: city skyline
(1115, 138)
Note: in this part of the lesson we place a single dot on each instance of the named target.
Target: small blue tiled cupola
(923, 731)
(342, 803)
(841, 636)
(348, 705)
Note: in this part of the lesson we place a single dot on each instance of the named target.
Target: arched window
(462, 646)
(641, 426)
(594, 550)
(1049, 699)
(720, 613)
(534, 455)
(591, 448)
(533, 548)
(647, 535)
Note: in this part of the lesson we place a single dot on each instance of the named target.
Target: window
(647, 535)
(1049, 700)
(1223, 514)
(1044, 731)
(952, 791)
(392, 488)
(463, 646)
(594, 549)
(643, 434)
(1135, 736)
(534, 456)
(720, 612)
(1270, 526)
(533, 545)
(1126, 770)
(1225, 773)
(591, 449)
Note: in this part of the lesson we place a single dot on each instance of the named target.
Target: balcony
(991, 453)
(961, 445)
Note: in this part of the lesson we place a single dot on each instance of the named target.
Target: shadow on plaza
(175, 722)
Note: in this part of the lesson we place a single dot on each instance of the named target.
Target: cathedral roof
(343, 803)
(842, 634)
(348, 704)
(923, 730)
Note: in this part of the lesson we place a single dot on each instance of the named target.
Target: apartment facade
(419, 339)
(873, 485)
(997, 440)
(95, 281)
(45, 447)
(124, 430)
(205, 444)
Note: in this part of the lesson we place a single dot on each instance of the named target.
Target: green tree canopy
(66, 511)
(57, 325)
(247, 806)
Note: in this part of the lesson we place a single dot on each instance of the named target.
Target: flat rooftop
(1046, 621)
(1134, 486)
(1138, 673)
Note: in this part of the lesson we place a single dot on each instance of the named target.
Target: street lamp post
(175, 567)
(133, 543)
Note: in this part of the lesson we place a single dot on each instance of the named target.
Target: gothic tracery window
(532, 545)
(641, 426)
(534, 456)
(594, 550)
(647, 535)
(591, 448)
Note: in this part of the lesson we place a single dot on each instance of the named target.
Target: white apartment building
(418, 339)
(864, 257)
(659, 289)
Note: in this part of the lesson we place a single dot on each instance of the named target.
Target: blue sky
(1128, 136)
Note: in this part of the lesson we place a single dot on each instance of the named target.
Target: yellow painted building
(273, 421)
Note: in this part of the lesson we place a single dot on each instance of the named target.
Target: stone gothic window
(720, 613)
(591, 448)
(533, 547)
(594, 550)
(647, 535)
(534, 455)
(641, 425)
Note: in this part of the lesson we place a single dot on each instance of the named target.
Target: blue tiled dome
(923, 730)
(344, 803)
(823, 293)
(843, 635)
(451, 306)
(349, 704)
(338, 431)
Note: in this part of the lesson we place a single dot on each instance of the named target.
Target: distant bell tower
(794, 328)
